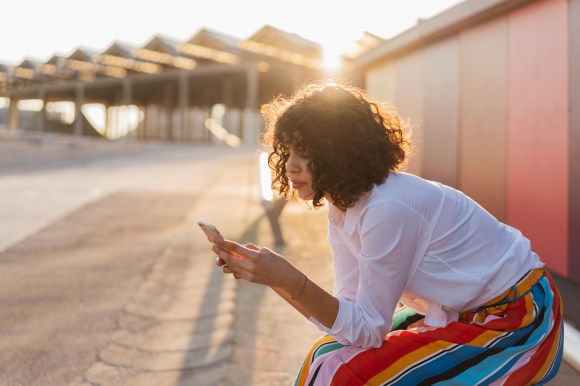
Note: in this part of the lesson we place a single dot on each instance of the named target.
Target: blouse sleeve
(345, 266)
(390, 234)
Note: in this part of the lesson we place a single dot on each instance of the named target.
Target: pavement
(125, 290)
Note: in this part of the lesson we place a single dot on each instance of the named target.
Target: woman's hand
(258, 265)
(263, 266)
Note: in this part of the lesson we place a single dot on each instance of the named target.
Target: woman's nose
(291, 165)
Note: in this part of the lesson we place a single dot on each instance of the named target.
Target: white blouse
(425, 244)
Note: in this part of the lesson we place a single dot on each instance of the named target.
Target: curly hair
(351, 141)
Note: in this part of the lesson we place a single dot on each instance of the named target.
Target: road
(107, 281)
(101, 261)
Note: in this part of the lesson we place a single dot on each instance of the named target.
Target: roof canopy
(161, 53)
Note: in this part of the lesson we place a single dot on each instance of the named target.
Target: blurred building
(165, 89)
(493, 87)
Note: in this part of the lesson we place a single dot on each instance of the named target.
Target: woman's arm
(293, 303)
(263, 266)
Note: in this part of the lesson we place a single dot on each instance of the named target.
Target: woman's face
(299, 174)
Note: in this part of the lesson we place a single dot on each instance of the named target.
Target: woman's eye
(301, 151)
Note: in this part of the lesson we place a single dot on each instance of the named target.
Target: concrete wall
(574, 143)
(537, 140)
(441, 118)
(483, 110)
(410, 95)
(401, 83)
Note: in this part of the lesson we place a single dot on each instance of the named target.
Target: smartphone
(210, 231)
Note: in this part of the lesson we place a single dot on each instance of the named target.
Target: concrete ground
(106, 279)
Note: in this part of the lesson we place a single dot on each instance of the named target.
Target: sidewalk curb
(571, 346)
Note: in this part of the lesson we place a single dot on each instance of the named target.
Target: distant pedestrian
(479, 308)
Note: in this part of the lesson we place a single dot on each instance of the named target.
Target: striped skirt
(516, 339)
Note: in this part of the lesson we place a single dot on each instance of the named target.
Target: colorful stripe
(515, 341)
(322, 346)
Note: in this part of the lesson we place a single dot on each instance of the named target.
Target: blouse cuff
(315, 323)
(439, 316)
(339, 324)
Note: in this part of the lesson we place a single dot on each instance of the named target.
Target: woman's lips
(297, 184)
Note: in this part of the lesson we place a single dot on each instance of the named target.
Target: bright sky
(37, 29)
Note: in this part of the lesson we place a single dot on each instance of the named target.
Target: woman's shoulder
(409, 191)
(405, 184)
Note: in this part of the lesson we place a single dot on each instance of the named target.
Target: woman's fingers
(235, 249)
(230, 258)
(219, 261)
(228, 270)
(243, 261)
(253, 247)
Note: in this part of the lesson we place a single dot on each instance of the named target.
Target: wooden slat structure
(173, 83)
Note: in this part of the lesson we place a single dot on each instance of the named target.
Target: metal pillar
(248, 127)
(183, 90)
(42, 113)
(125, 101)
(79, 100)
(167, 112)
(127, 92)
(14, 114)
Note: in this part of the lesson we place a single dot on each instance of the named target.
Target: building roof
(362, 45)
(214, 46)
(162, 44)
(29, 63)
(56, 59)
(284, 46)
(216, 40)
(121, 49)
(121, 55)
(160, 52)
(26, 70)
(438, 27)
(56, 67)
(163, 51)
(84, 62)
(4, 75)
(276, 37)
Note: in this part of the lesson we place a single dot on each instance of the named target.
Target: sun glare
(30, 104)
(332, 51)
(331, 61)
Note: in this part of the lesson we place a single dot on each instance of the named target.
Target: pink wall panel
(537, 133)
(574, 126)
(483, 111)
(409, 101)
(440, 111)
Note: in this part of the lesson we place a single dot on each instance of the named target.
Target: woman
(479, 307)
